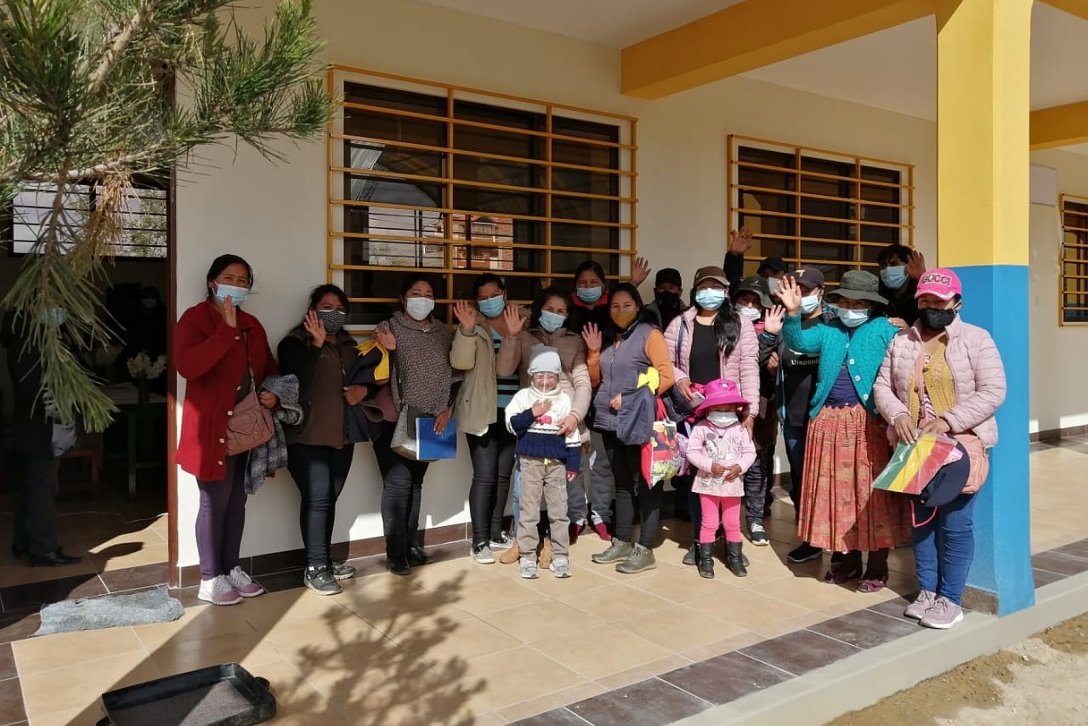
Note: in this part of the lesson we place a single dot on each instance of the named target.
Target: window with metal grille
(143, 221)
(816, 207)
(453, 182)
(1073, 285)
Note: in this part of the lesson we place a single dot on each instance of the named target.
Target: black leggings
(402, 489)
(626, 461)
(492, 464)
(319, 473)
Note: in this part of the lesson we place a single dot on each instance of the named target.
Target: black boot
(734, 559)
(417, 556)
(706, 560)
(396, 555)
(691, 557)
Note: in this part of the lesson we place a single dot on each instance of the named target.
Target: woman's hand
(640, 270)
(466, 315)
(904, 429)
(441, 421)
(684, 387)
(749, 425)
(572, 475)
(354, 394)
(732, 473)
(916, 265)
(568, 425)
(268, 399)
(515, 323)
(616, 402)
(740, 242)
(230, 313)
(541, 407)
(936, 426)
(790, 295)
(972, 488)
(385, 338)
(591, 334)
(772, 320)
(315, 328)
(899, 323)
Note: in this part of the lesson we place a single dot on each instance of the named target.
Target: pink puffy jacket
(741, 366)
(977, 372)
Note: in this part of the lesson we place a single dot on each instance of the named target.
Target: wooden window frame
(338, 167)
(734, 206)
(1077, 252)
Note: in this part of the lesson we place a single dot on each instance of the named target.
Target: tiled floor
(461, 643)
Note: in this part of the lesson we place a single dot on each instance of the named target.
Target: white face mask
(852, 318)
(810, 304)
(722, 419)
(419, 308)
(774, 284)
(750, 313)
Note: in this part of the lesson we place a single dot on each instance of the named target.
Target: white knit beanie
(544, 359)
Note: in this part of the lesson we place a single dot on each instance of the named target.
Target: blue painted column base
(996, 298)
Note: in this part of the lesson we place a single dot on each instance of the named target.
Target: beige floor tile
(816, 595)
(148, 553)
(500, 594)
(496, 685)
(197, 622)
(452, 576)
(582, 578)
(542, 704)
(301, 605)
(603, 651)
(181, 655)
(79, 686)
(773, 629)
(747, 608)
(541, 621)
(720, 647)
(17, 572)
(684, 585)
(49, 652)
(465, 638)
(614, 601)
(679, 629)
(642, 672)
(410, 608)
(296, 700)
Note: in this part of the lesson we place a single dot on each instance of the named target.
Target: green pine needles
(87, 96)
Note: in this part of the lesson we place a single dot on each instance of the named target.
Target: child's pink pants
(730, 519)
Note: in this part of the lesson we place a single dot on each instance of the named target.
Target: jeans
(221, 519)
(402, 489)
(626, 461)
(795, 454)
(545, 482)
(944, 542)
(319, 473)
(492, 463)
(602, 485)
(35, 514)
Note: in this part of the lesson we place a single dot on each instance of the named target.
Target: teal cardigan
(862, 351)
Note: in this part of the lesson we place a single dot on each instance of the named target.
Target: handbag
(250, 425)
(404, 431)
(661, 456)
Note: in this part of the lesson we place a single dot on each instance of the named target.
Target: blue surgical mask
(852, 318)
(550, 321)
(236, 294)
(810, 304)
(894, 277)
(589, 295)
(492, 307)
(709, 298)
(753, 314)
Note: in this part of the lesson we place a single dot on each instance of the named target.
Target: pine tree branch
(117, 48)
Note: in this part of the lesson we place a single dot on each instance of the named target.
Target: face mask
(419, 308)
(333, 320)
(668, 300)
(550, 321)
(237, 295)
(752, 314)
(852, 318)
(710, 298)
(624, 318)
(589, 295)
(935, 318)
(894, 277)
(774, 284)
(810, 304)
(722, 419)
(149, 303)
(492, 307)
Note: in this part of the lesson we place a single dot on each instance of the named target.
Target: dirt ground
(1039, 681)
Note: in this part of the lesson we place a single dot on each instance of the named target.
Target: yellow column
(983, 63)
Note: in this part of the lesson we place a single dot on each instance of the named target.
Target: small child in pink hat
(721, 449)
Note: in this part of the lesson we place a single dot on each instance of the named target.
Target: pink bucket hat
(940, 282)
(720, 392)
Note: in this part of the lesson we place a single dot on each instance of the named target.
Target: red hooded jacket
(211, 356)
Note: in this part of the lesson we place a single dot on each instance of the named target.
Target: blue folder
(433, 447)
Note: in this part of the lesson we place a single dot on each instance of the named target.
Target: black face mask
(936, 319)
(668, 300)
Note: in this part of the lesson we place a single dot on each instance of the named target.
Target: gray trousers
(547, 480)
(602, 486)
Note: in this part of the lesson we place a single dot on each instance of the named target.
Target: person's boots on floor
(706, 560)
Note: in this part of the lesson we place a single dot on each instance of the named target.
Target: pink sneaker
(218, 591)
(243, 583)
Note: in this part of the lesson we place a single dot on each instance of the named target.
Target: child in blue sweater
(547, 459)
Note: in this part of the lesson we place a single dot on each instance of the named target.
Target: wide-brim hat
(719, 393)
(858, 285)
(757, 285)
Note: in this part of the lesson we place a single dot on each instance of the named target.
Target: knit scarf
(422, 364)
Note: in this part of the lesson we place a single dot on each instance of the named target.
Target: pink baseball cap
(940, 282)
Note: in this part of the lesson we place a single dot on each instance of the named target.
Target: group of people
(557, 401)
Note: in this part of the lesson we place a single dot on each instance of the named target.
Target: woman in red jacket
(222, 352)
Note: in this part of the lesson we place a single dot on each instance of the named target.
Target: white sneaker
(243, 583)
(218, 591)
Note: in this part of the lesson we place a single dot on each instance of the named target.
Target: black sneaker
(342, 570)
(804, 553)
(757, 534)
(321, 581)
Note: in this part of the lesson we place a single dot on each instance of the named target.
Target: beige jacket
(474, 354)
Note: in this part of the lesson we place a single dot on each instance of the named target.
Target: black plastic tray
(223, 695)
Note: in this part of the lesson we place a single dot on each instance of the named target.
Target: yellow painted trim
(983, 54)
(1059, 126)
(1073, 7)
(750, 35)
